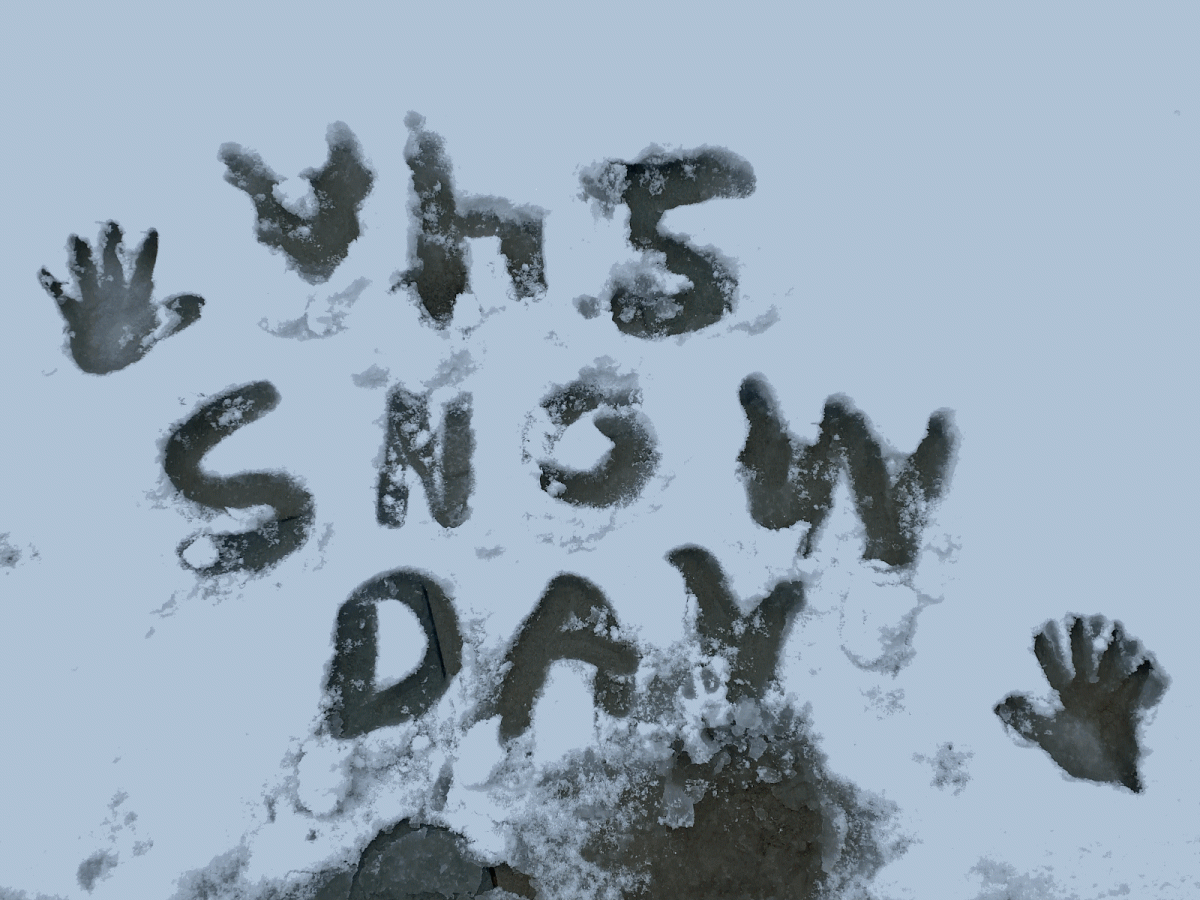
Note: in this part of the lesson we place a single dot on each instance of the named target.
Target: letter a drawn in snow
(789, 480)
(443, 219)
(293, 510)
(573, 620)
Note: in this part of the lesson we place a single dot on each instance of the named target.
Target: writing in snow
(112, 321)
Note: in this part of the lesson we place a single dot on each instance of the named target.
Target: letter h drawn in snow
(444, 219)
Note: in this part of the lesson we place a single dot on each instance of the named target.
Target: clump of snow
(96, 867)
(949, 767)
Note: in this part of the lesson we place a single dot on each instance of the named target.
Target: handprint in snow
(1094, 735)
(113, 321)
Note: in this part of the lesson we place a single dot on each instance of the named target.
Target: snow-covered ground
(992, 213)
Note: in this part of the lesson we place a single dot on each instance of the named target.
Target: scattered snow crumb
(372, 377)
(949, 767)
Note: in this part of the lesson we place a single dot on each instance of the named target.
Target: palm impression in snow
(704, 776)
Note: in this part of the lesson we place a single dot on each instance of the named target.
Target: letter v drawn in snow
(315, 239)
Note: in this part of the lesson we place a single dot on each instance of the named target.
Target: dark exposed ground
(1103, 697)
(259, 549)
(113, 321)
(759, 819)
(316, 243)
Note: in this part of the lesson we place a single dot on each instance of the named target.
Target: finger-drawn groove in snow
(113, 321)
(655, 182)
(572, 620)
(443, 219)
(622, 473)
(1103, 697)
(355, 706)
(789, 480)
(274, 538)
(754, 640)
(441, 459)
(316, 239)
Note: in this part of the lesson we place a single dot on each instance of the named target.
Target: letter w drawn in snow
(442, 459)
(444, 219)
(788, 480)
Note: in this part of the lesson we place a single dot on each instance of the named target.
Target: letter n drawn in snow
(442, 221)
(355, 706)
(655, 182)
(789, 480)
(573, 620)
(441, 459)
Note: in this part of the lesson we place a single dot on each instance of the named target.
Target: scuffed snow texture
(949, 767)
(337, 307)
